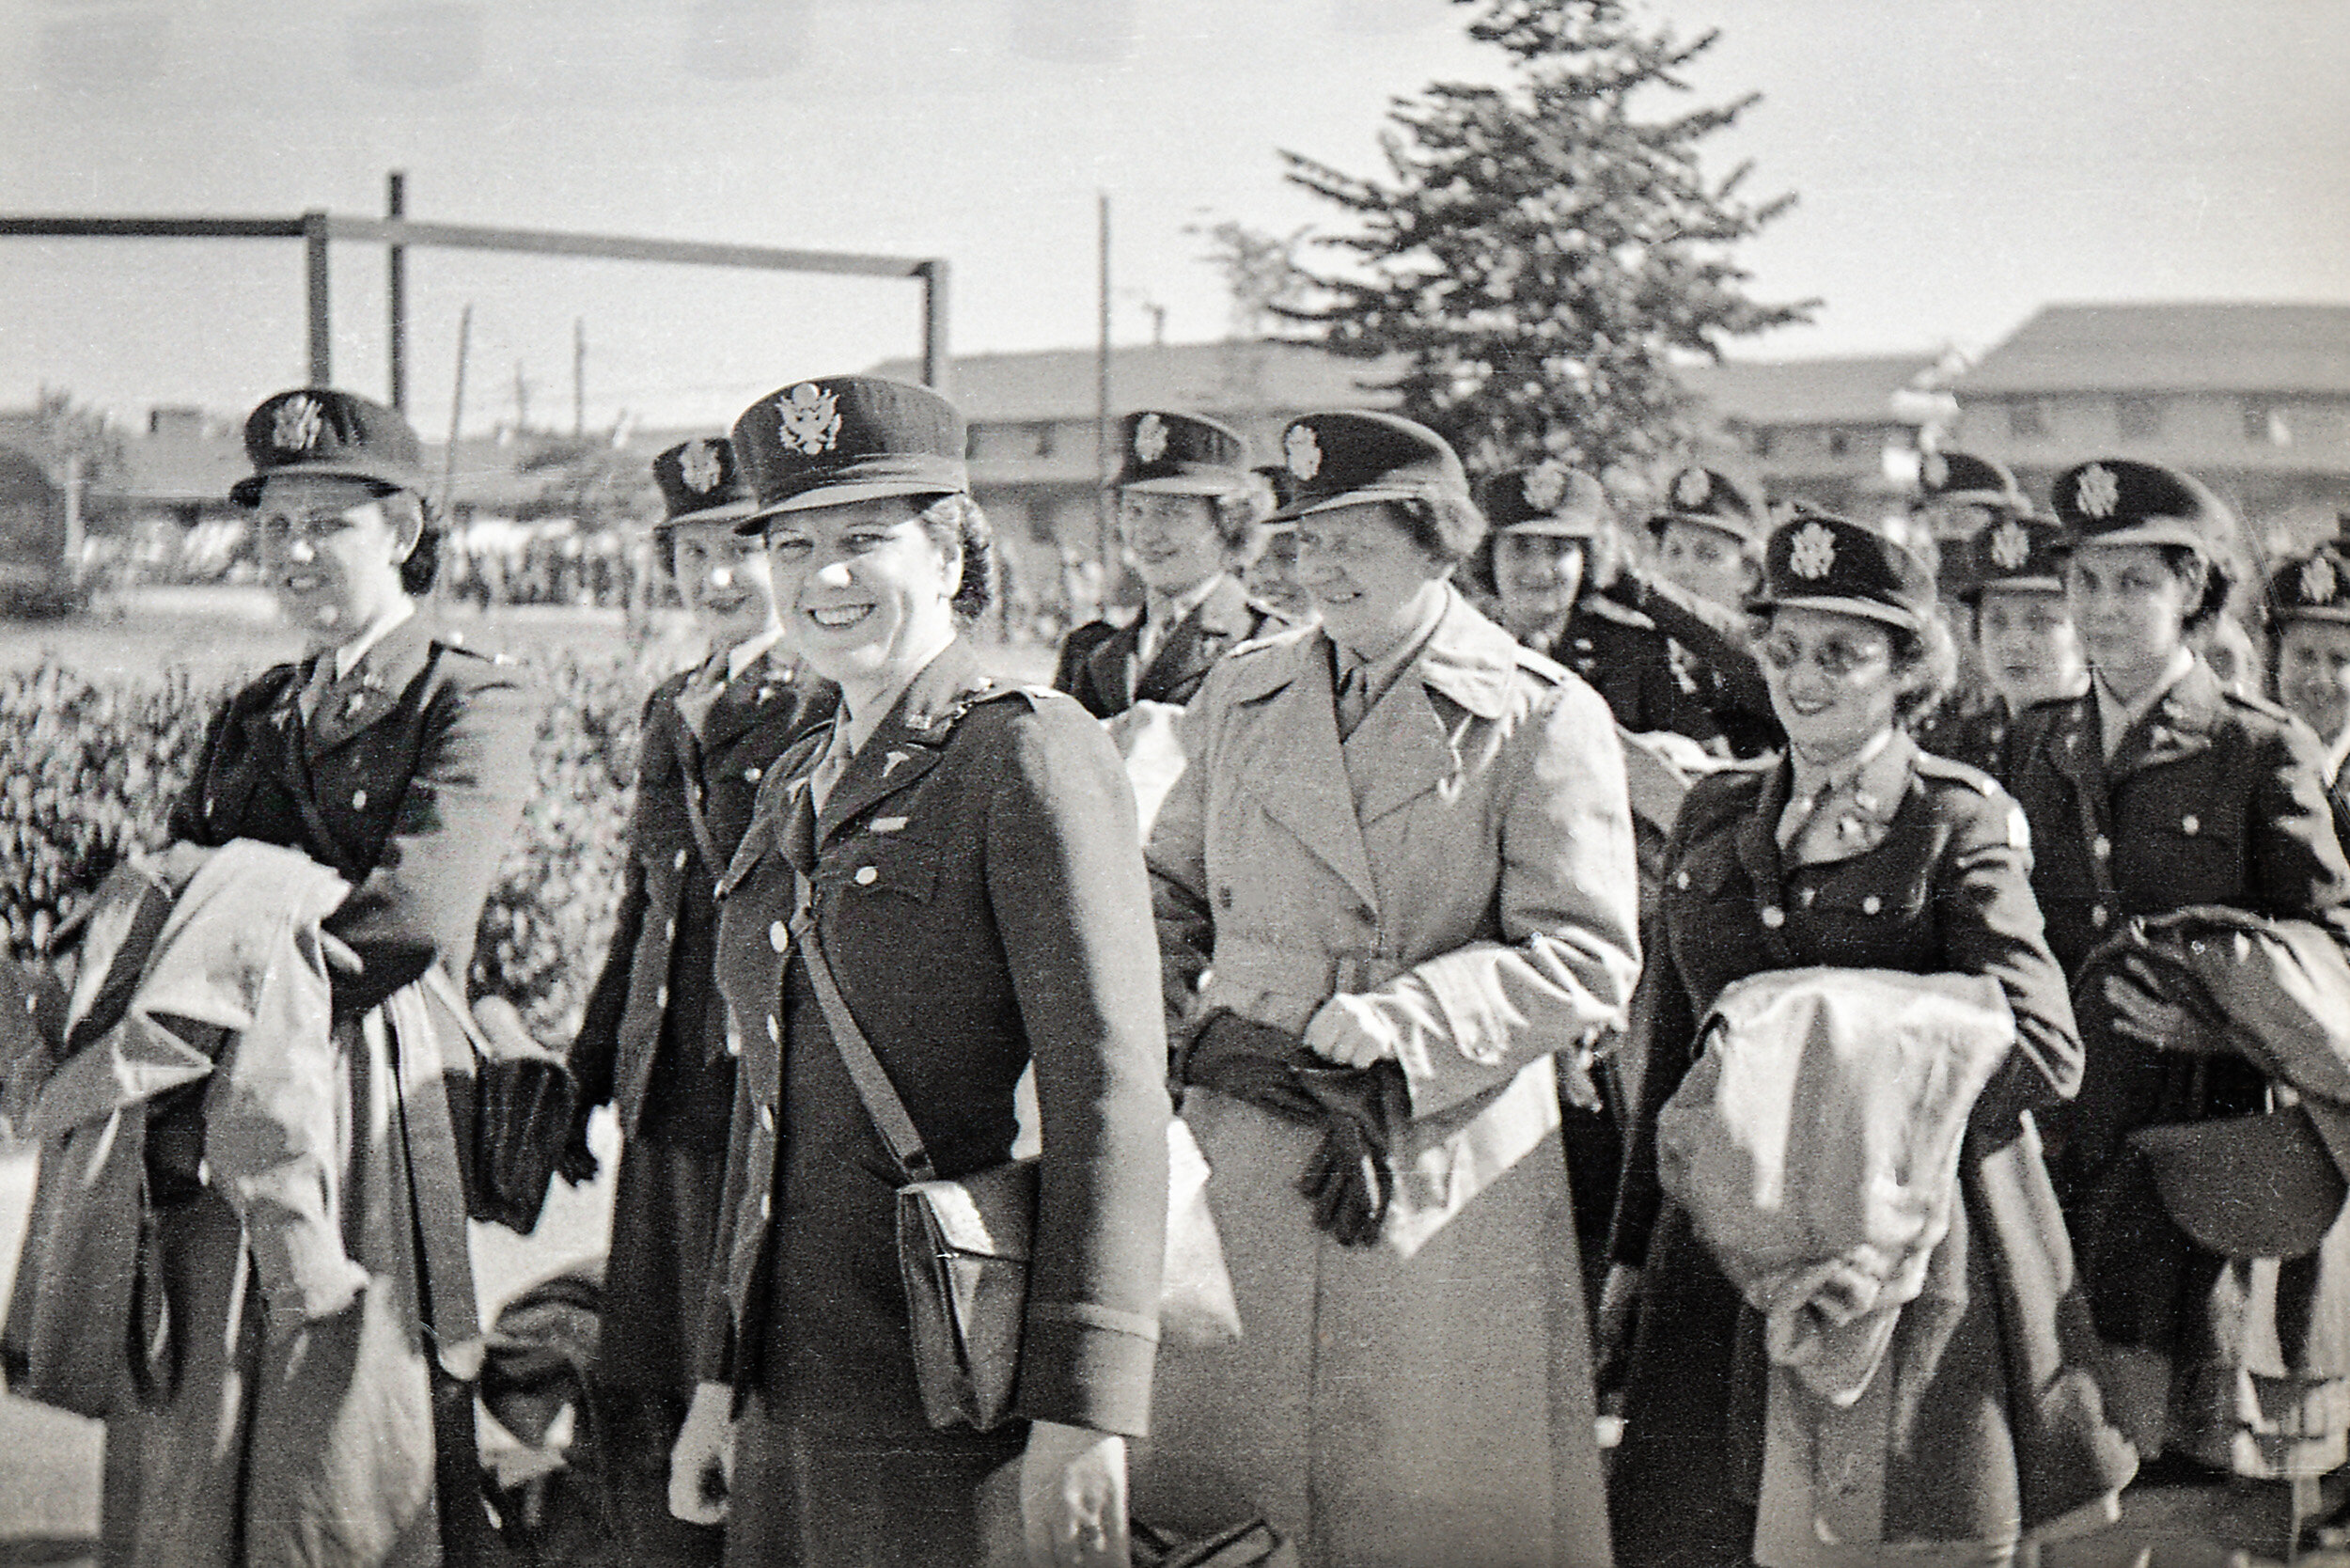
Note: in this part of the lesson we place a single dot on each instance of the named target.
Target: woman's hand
(701, 1465)
(1350, 1031)
(2142, 1011)
(1072, 1497)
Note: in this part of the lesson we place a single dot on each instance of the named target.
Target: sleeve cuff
(1088, 1365)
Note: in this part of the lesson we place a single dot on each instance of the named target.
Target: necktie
(1146, 641)
(828, 769)
(1354, 697)
(315, 689)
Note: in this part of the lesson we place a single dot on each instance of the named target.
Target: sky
(1957, 164)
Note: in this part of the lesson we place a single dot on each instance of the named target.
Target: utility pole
(456, 407)
(395, 287)
(579, 377)
(522, 401)
(1102, 412)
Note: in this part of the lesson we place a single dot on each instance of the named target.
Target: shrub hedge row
(88, 771)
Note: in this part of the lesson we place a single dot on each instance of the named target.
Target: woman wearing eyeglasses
(1854, 851)
(320, 1408)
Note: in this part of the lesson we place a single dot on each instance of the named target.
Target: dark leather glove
(577, 1164)
(1350, 1179)
(1251, 1062)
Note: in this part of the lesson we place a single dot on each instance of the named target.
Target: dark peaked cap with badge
(1181, 454)
(2315, 586)
(1547, 498)
(316, 430)
(1962, 477)
(2015, 555)
(2120, 501)
(1347, 457)
(700, 482)
(1711, 499)
(837, 440)
(1818, 562)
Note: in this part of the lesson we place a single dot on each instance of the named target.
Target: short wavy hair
(955, 520)
(1446, 526)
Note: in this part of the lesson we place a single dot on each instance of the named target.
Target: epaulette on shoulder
(1726, 792)
(2256, 703)
(1286, 637)
(1542, 665)
(1935, 766)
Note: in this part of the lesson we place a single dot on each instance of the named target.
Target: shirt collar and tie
(331, 668)
(1160, 616)
(2116, 717)
(1357, 684)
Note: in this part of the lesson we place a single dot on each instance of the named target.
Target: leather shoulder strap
(890, 1118)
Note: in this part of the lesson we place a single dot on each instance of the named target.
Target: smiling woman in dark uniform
(401, 762)
(1854, 851)
(977, 890)
(2155, 789)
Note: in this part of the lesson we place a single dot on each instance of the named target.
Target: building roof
(1247, 377)
(195, 469)
(2169, 347)
(1782, 392)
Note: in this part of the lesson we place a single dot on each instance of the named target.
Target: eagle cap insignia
(1302, 452)
(1149, 438)
(807, 418)
(2320, 583)
(1812, 553)
(1545, 484)
(298, 424)
(2010, 545)
(2096, 491)
(700, 466)
(1693, 488)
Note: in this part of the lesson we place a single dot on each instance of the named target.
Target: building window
(2026, 419)
(1839, 443)
(2137, 418)
(1761, 439)
(2267, 424)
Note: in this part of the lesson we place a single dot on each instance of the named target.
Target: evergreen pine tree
(1541, 251)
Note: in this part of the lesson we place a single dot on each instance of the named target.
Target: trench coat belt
(431, 1135)
(1252, 965)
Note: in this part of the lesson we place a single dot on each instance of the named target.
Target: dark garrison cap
(1348, 456)
(316, 430)
(1964, 477)
(1547, 498)
(1815, 561)
(2121, 501)
(1181, 454)
(2015, 555)
(1713, 500)
(836, 440)
(2315, 586)
(700, 483)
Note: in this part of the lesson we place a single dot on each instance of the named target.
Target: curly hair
(955, 521)
(405, 510)
(1446, 526)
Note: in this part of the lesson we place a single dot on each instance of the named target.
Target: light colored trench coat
(1464, 859)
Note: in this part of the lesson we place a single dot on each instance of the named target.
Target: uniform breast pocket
(871, 866)
(2186, 856)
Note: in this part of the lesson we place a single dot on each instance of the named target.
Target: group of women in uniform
(1389, 932)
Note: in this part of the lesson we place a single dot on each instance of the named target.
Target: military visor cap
(1713, 500)
(700, 483)
(1817, 562)
(1181, 454)
(2118, 501)
(1547, 498)
(316, 430)
(2316, 586)
(1962, 477)
(838, 440)
(1347, 457)
(2015, 555)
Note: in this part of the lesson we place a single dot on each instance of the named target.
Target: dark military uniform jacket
(1100, 668)
(981, 895)
(1995, 1421)
(409, 777)
(2210, 798)
(704, 752)
(1976, 736)
(1673, 663)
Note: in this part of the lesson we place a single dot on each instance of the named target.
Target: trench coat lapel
(907, 743)
(370, 693)
(1294, 767)
(1409, 743)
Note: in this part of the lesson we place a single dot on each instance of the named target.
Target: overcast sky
(1957, 164)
